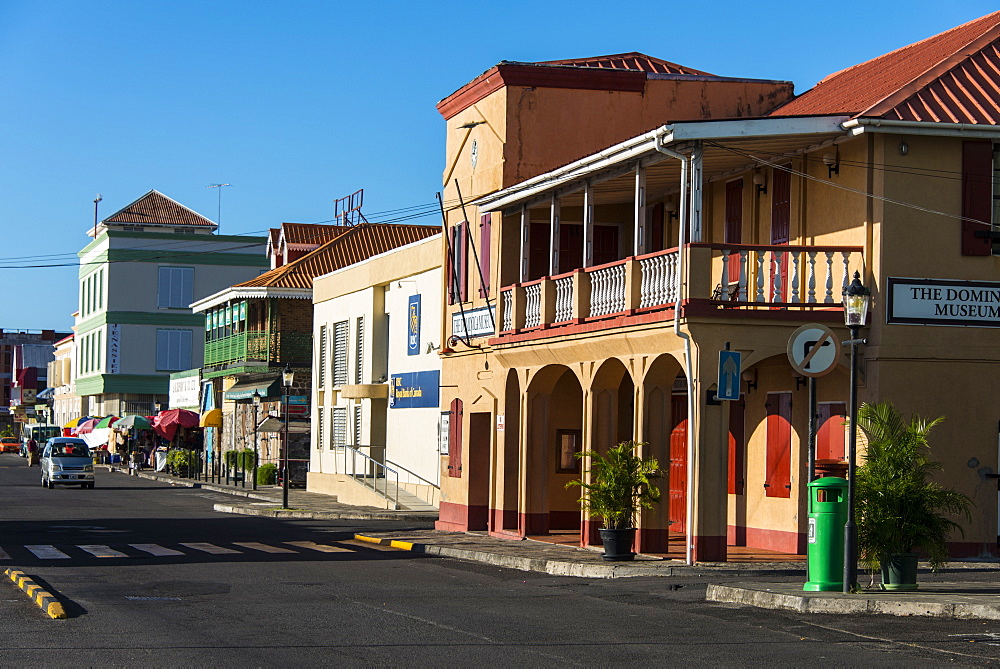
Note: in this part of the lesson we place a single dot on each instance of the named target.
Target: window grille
(359, 351)
(340, 353)
(357, 427)
(321, 371)
(339, 436)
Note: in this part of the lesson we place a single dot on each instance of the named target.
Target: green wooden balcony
(257, 346)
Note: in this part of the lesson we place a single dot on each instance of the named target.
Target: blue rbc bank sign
(415, 390)
(413, 326)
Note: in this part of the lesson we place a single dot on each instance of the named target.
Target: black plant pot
(618, 544)
(899, 572)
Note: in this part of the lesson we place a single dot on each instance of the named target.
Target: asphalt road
(185, 586)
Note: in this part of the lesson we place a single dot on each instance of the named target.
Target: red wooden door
(538, 250)
(781, 210)
(570, 247)
(678, 464)
(734, 225)
(830, 430)
(655, 241)
(778, 456)
(737, 448)
(455, 439)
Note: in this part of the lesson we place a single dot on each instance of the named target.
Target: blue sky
(298, 103)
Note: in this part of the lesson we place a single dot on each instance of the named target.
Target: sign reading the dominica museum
(943, 302)
(473, 323)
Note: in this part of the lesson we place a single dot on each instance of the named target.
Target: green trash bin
(825, 547)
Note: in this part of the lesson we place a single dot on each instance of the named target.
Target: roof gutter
(859, 126)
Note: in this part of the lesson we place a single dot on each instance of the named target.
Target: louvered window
(321, 369)
(339, 436)
(340, 353)
(357, 426)
(320, 430)
(359, 350)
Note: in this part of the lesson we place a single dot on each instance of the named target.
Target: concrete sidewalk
(967, 589)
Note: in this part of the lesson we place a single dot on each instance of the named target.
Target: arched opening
(664, 428)
(554, 429)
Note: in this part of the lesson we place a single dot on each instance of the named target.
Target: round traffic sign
(813, 350)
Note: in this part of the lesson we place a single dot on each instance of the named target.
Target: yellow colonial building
(606, 240)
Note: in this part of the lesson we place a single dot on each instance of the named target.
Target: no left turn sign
(813, 350)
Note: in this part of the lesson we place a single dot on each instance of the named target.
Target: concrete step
(405, 500)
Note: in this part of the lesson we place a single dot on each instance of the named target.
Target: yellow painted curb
(44, 599)
(401, 545)
(404, 545)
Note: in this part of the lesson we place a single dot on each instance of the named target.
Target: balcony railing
(256, 345)
(727, 276)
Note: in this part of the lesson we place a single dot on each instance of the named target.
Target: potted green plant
(621, 483)
(900, 510)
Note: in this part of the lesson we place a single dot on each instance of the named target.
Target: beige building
(375, 430)
(610, 283)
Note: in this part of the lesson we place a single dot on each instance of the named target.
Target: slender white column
(554, 236)
(525, 240)
(588, 225)
(639, 234)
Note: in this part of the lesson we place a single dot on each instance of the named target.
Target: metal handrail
(412, 473)
(376, 466)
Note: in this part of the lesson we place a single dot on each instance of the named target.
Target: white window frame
(173, 349)
(340, 342)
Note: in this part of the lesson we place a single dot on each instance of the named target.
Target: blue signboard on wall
(413, 326)
(415, 390)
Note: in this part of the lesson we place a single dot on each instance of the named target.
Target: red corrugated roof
(311, 233)
(951, 77)
(358, 243)
(628, 61)
(155, 208)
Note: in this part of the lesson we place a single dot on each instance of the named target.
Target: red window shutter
(977, 197)
(485, 235)
(737, 448)
(830, 431)
(450, 269)
(455, 440)
(463, 261)
(778, 456)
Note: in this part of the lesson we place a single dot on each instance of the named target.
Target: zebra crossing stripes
(254, 545)
(322, 548)
(44, 552)
(156, 550)
(209, 548)
(102, 551)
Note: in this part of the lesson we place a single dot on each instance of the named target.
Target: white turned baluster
(812, 278)
(742, 297)
(759, 297)
(777, 295)
(724, 281)
(829, 278)
(795, 276)
(670, 288)
(843, 285)
(508, 310)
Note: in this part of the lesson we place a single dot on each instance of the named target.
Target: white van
(67, 461)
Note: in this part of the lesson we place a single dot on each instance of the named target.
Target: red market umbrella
(106, 422)
(166, 422)
(87, 426)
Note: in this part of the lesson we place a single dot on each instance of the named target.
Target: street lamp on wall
(256, 453)
(856, 300)
(287, 376)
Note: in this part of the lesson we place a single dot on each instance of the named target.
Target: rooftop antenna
(218, 218)
(97, 201)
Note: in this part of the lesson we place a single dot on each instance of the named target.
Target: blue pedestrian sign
(729, 375)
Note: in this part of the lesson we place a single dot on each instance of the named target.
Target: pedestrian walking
(32, 448)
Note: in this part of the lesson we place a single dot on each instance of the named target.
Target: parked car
(9, 445)
(67, 461)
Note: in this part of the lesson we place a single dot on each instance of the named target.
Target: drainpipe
(681, 241)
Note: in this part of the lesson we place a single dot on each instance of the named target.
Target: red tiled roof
(627, 61)
(950, 77)
(311, 233)
(155, 208)
(356, 244)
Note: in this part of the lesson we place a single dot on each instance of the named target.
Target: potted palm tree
(900, 510)
(621, 483)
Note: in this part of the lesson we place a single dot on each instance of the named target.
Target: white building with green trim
(147, 263)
